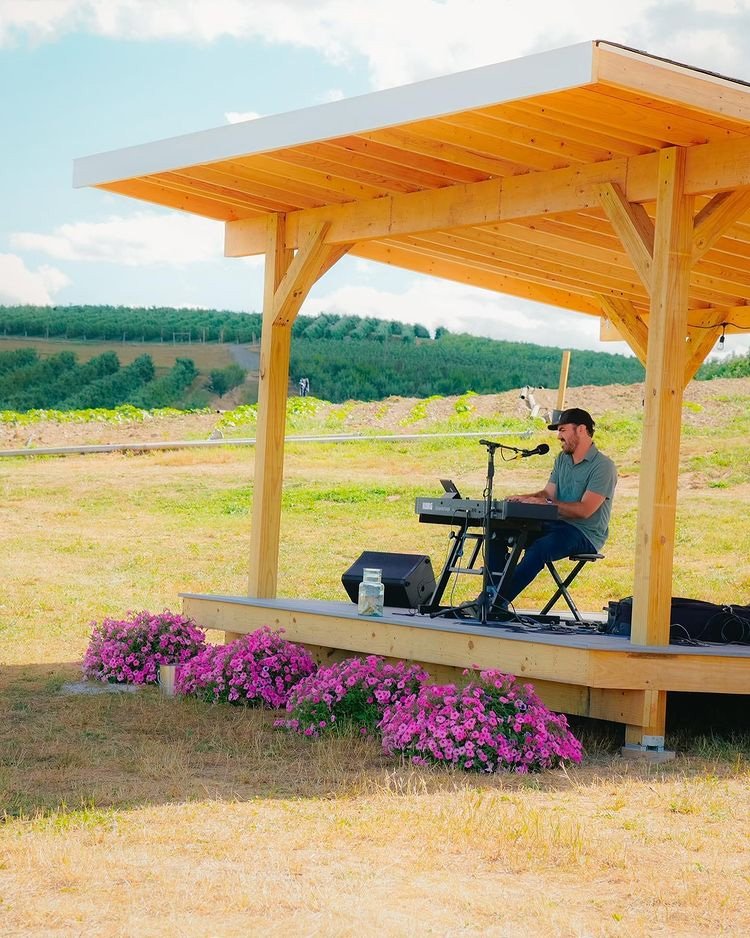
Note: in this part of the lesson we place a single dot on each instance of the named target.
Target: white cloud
(333, 94)
(399, 41)
(461, 308)
(138, 240)
(18, 284)
(237, 117)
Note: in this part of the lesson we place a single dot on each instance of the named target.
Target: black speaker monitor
(408, 578)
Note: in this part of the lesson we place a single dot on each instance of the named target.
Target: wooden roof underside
(632, 106)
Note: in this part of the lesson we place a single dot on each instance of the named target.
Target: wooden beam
(700, 342)
(710, 94)
(273, 382)
(709, 168)
(715, 218)
(665, 370)
(310, 262)
(627, 322)
(633, 227)
(652, 719)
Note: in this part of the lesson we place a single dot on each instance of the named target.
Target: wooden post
(562, 387)
(288, 278)
(660, 452)
(273, 380)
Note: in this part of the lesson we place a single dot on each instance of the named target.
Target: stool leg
(562, 589)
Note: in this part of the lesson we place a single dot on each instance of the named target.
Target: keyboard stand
(517, 541)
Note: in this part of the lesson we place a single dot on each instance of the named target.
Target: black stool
(562, 585)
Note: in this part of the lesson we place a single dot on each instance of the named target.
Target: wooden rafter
(709, 169)
(713, 220)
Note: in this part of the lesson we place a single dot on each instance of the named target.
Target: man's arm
(588, 504)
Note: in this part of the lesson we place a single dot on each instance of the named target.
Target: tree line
(60, 382)
(344, 357)
(452, 364)
(166, 324)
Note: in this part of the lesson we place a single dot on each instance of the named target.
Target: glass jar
(371, 593)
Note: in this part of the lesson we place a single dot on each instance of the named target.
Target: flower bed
(261, 667)
(490, 724)
(129, 651)
(352, 693)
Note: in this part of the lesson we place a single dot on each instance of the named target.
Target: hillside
(720, 401)
(343, 357)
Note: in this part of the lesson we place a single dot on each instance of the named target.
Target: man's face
(569, 434)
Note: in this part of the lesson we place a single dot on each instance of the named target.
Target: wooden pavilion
(594, 178)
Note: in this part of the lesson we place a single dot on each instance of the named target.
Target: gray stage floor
(588, 638)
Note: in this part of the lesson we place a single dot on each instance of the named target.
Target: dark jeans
(558, 539)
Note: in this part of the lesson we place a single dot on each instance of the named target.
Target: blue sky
(84, 76)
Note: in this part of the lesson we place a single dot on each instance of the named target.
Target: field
(206, 355)
(131, 814)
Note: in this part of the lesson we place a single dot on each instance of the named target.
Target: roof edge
(539, 73)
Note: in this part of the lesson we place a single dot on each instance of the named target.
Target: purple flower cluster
(352, 693)
(261, 667)
(129, 651)
(490, 724)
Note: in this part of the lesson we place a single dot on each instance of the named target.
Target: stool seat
(580, 561)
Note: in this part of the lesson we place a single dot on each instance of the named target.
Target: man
(582, 485)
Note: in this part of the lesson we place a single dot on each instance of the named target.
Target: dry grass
(132, 814)
(140, 815)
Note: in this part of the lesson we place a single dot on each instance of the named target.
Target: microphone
(537, 451)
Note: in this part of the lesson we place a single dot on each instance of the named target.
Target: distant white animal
(535, 410)
(216, 434)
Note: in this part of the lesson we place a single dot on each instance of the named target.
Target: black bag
(691, 620)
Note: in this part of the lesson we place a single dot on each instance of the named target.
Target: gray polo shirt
(594, 473)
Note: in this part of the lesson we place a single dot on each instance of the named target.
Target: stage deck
(591, 674)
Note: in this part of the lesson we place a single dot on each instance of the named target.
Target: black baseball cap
(576, 416)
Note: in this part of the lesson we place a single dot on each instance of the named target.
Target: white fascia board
(542, 73)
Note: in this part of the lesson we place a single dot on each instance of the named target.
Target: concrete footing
(643, 754)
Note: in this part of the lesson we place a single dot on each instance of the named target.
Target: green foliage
(134, 324)
(245, 415)
(419, 411)
(169, 389)
(17, 358)
(738, 366)
(464, 405)
(126, 412)
(113, 389)
(345, 357)
(374, 369)
(224, 379)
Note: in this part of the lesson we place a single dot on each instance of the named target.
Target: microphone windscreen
(543, 448)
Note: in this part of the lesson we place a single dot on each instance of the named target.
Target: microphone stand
(485, 602)
(487, 597)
